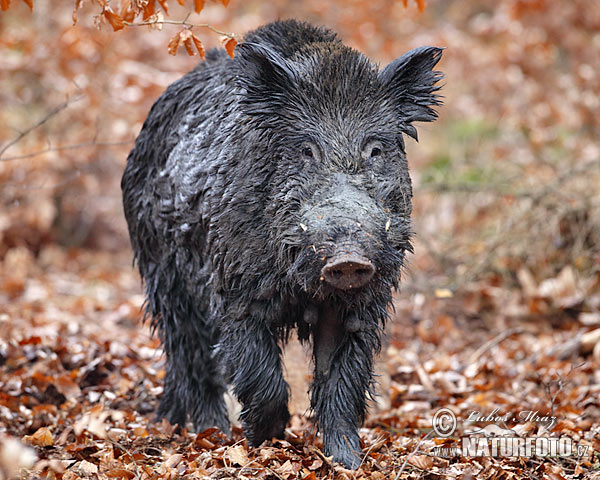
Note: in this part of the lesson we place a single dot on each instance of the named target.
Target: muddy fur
(248, 177)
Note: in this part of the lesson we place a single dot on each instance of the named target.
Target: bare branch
(183, 23)
(54, 111)
(66, 147)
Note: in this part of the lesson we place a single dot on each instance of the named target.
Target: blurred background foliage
(507, 182)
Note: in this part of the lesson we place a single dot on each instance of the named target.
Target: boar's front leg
(343, 376)
(253, 362)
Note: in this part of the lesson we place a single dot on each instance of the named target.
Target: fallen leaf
(237, 455)
(423, 462)
(41, 438)
(173, 460)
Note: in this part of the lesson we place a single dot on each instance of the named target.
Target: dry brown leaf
(119, 473)
(199, 46)
(316, 464)
(174, 44)
(553, 472)
(115, 20)
(230, 44)
(237, 455)
(198, 5)
(164, 6)
(85, 468)
(127, 12)
(149, 9)
(41, 438)
(93, 421)
(423, 462)
(185, 39)
(173, 460)
(65, 385)
(288, 469)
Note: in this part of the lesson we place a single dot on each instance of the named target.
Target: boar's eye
(372, 149)
(375, 152)
(310, 151)
(307, 152)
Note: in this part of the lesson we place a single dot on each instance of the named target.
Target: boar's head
(340, 190)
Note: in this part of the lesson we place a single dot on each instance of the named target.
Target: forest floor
(81, 375)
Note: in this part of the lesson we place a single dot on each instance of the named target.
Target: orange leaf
(29, 4)
(198, 5)
(405, 3)
(165, 6)
(115, 21)
(127, 11)
(41, 438)
(4, 4)
(225, 2)
(199, 46)
(149, 9)
(186, 39)
(181, 2)
(421, 5)
(119, 473)
(230, 43)
(174, 44)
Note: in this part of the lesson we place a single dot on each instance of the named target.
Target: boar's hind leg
(343, 376)
(192, 384)
(253, 359)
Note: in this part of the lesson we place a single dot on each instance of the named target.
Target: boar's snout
(348, 271)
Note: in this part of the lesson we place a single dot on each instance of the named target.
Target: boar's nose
(348, 271)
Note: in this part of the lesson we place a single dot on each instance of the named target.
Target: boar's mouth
(346, 276)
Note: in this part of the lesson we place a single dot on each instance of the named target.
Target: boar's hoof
(344, 450)
(348, 271)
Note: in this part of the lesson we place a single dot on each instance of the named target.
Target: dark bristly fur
(248, 176)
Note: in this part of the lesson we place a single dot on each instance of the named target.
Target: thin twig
(122, 447)
(66, 147)
(492, 343)
(412, 454)
(183, 23)
(51, 113)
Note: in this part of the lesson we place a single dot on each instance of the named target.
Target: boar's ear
(410, 81)
(266, 77)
